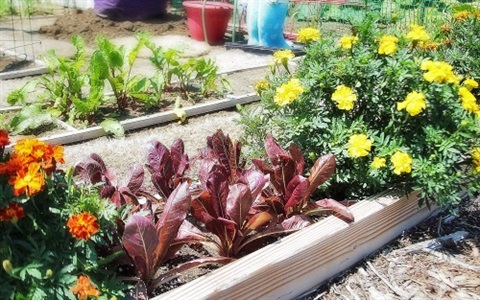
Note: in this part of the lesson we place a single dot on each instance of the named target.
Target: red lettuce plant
(93, 170)
(289, 192)
(229, 203)
(149, 241)
(167, 167)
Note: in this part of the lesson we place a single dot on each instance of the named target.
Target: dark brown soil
(87, 24)
(9, 63)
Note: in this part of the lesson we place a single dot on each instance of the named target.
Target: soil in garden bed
(9, 63)
(87, 24)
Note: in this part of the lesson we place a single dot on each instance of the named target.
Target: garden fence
(392, 13)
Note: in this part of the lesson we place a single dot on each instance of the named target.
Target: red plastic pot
(217, 15)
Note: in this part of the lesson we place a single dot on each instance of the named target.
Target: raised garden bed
(73, 135)
(317, 253)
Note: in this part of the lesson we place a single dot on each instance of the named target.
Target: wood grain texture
(303, 260)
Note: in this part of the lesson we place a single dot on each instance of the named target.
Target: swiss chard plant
(116, 63)
(63, 88)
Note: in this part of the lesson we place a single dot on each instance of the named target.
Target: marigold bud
(7, 266)
(49, 273)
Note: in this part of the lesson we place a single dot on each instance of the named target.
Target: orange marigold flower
(28, 180)
(445, 28)
(15, 163)
(83, 226)
(4, 139)
(13, 212)
(84, 288)
(58, 154)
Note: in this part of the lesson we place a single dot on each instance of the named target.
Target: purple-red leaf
(222, 147)
(284, 172)
(179, 158)
(217, 186)
(161, 184)
(157, 155)
(174, 213)
(342, 211)
(134, 178)
(256, 181)
(321, 172)
(257, 220)
(141, 242)
(296, 222)
(239, 202)
(274, 151)
(189, 234)
(295, 192)
(90, 169)
(297, 156)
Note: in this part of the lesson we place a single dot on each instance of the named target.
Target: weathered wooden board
(303, 260)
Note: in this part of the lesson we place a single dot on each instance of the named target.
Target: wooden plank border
(305, 259)
(40, 68)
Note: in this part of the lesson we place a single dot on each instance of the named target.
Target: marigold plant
(37, 197)
(400, 109)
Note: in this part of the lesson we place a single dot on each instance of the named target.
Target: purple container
(129, 10)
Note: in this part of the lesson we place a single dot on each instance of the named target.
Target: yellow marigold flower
(418, 33)
(387, 45)
(283, 56)
(439, 71)
(261, 85)
(308, 35)
(469, 103)
(83, 226)
(84, 288)
(28, 180)
(402, 162)
(347, 42)
(462, 15)
(470, 84)
(288, 92)
(359, 145)
(476, 154)
(344, 97)
(414, 103)
(476, 159)
(378, 162)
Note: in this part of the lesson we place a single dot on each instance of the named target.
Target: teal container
(266, 22)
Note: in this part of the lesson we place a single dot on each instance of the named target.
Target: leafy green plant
(378, 102)
(115, 65)
(63, 88)
(184, 75)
